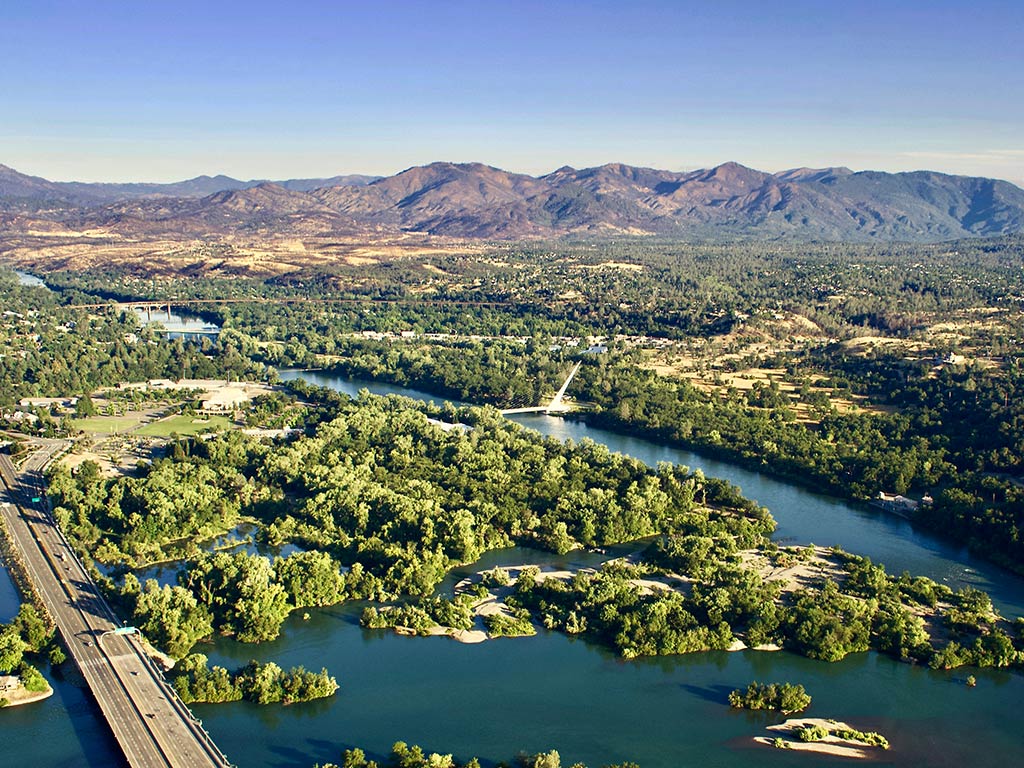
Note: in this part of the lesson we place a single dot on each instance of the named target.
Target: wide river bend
(553, 692)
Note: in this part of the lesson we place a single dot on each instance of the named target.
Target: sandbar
(830, 745)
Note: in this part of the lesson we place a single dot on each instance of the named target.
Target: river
(177, 324)
(803, 516)
(31, 281)
(555, 692)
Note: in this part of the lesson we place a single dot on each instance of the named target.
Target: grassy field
(185, 425)
(109, 424)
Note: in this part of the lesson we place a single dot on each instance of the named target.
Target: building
(891, 502)
(9, 683)
(48, 402)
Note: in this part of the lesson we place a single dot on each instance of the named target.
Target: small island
(26, 635)
(825, 737)
(783, 697)
(23, 688)
(195, 682)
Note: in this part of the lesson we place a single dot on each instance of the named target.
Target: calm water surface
(177, 324)
(24, 278)
(551, 691)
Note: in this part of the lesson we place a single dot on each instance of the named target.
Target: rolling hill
(476, 201)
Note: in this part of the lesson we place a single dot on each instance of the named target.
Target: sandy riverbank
(799, 573)
(494, 601)
(739, 645)
(830, 745)
(20, 696)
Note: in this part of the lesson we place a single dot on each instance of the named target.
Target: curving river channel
(553, 692)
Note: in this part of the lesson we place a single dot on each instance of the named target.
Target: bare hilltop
(475, 201)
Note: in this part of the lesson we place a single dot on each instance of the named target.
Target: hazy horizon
(114, 92)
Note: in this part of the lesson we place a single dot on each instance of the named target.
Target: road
(154, 728)
(164, 304)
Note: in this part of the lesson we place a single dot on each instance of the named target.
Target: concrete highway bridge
(151, 724)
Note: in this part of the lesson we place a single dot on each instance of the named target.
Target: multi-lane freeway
(154, 728)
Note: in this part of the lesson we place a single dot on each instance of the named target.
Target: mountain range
(476, 201)
(19, 186)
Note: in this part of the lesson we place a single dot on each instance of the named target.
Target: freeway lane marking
(146, 740)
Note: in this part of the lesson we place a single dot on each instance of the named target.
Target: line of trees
(783, 697)
(405, 756)
(196, 682)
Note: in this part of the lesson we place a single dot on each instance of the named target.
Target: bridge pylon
(556, 405)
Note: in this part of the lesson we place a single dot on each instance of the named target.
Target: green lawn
(185, 425)
(109, 424)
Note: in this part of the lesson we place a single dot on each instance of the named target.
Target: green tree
(32, 678)
(310, 579)
(84, 407)
(32, 628)
(12, 647)
(171, 617)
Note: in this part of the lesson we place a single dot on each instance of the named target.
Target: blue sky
(167, 90)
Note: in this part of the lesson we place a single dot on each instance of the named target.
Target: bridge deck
(538, 409)
(153, 727)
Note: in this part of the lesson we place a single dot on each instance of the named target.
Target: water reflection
(176, 324)
(241, 538)
(24, 278)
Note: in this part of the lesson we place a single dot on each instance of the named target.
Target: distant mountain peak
(730, 166)
(813, 174)
(204, 178)
(733, 172)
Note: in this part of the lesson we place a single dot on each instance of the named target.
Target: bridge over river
(151, 724)
(556, 405)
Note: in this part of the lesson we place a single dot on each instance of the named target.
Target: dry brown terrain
(474, 200)
(226, 255)
(716, 364)
(711, 364)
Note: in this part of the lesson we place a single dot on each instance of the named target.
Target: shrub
(811, 732)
